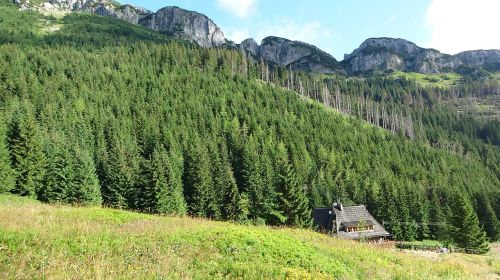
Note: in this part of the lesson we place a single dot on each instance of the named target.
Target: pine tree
(7, 175)
(27, 157)
(86, 188)
(467, 233)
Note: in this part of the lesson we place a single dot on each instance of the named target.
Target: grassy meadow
(441, 80)
(39, 241)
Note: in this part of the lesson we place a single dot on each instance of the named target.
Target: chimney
(338, 205)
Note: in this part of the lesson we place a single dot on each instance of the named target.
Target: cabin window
(356, 229)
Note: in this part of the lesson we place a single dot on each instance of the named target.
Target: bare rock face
(398, 54)
(489, 59)
(186, 25)
(128, 13)
(250, 48)
(291, 54)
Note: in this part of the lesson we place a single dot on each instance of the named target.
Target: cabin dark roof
(354, 215)
(322, 218)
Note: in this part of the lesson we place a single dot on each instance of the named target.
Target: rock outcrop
(251, 49)
(398, 54)
(489, 59)
(187, 25)
(291, 54)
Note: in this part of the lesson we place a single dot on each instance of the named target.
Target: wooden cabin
(350, 222)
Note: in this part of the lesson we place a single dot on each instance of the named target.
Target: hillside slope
(132, 122)
(42, 241)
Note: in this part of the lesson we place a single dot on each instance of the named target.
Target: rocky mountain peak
(180, 23)
(186, 25)
(489, 59)
(287, 53)
(397, 54)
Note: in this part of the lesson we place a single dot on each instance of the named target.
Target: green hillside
(101, 112)
(39, 241)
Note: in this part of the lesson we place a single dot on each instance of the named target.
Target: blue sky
(340, 26)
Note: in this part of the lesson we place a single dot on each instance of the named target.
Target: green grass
(434, 243)
(441, 80)
(39, 241)
(75, 29)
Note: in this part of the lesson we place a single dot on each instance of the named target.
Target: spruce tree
(232, 200)
(147, 185)
(198, 180)
(271, 213)
(227, 190)
(7, 175)
(390, 213)
(118, 176)
(161, 190)
(438, 227)
(488, 218)
(252, 178)
(58, 181)
(27, 157)
(420, 213)
(292, 197)
(409, 226)
(86, 189)
(172, 201)
(467, 233)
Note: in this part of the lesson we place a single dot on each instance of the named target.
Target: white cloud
(306, 32)
(238, 35)
(309, 32)
(459, 25)
(239, 8)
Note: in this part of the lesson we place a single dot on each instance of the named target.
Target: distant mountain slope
(179, 23)
(290, 54)
(400, 54)
(373, 54)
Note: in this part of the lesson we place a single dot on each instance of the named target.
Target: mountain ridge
(399, 54)
(374, 54)
(174, 21)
